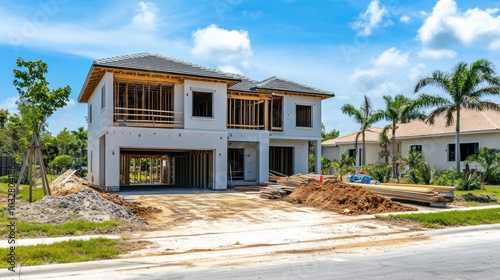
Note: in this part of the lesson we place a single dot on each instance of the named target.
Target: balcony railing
(146, 118)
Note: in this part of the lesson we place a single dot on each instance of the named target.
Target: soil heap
(73, 199)
(85, 204)
(344, 199)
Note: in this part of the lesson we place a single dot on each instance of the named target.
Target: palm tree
(366, 118)
(465, 86)
(384, 143)
(345, 163)
(399, 109)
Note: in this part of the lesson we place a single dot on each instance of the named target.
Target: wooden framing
(144, 104)
(254, 112)
(194, 168)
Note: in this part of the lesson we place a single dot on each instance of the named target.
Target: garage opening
(193, 168)
(281, 159)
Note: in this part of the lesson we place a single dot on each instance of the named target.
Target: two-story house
(157, 120)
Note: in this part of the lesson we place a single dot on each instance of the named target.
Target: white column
(317, 157)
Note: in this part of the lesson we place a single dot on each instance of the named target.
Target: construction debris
(343, 198)
(69, 182)
(285, 185)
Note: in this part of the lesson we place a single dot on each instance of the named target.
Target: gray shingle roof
(162, 64)
(275, 83)
(246, 84)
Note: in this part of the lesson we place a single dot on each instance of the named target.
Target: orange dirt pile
(344, 199)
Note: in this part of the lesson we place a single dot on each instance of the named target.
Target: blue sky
(350, 47)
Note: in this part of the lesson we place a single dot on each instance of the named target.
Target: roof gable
(372, 135)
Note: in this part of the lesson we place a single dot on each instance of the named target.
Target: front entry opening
(236, 164)
(281, 160)
(193, 168)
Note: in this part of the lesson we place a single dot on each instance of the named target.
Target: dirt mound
(344, 199)
(85, 205)
(70, 183)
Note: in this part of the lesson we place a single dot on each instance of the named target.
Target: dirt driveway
(233, 221)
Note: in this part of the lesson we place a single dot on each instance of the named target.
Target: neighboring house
(436, 142)
(158, 120)
(332, 148)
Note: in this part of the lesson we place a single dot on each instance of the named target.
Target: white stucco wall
(218, 121)
(435, 149)
(289, 117)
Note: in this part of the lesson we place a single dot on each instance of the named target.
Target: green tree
(328, 135)
(366, 118)
(14, 137)
(36, 104)
(465, 86)
(62, 161)
(384, 143)
(345, 163)
(4, 116)
(489, 159)
(81, 144)
(399, 109)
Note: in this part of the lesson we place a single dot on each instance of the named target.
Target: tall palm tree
(399, 109)
(366, 118)
(465, 86)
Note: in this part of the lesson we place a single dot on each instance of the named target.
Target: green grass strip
(70, 228)
(450, 218)
(64, 252)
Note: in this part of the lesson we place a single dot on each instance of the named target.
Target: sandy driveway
(234, 221)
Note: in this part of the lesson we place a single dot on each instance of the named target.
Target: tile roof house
(155, 120)
(437, 142)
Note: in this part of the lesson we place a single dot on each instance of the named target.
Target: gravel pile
(85, 204)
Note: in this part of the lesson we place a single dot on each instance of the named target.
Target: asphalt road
(462, 253)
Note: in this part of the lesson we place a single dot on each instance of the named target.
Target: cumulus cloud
(446, 26)
(391, 57)
(416, 72)
(371, 19)
(231, 69)
(404, 19)
(436, 53)
(229, 47)
(146, 15)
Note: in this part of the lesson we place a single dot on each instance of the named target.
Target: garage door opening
(281, 160)
(192, 168)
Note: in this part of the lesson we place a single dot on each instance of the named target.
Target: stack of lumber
(273, 192)
(434, 195)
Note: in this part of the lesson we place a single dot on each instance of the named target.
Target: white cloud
(146, 17)
(391, 57)
(372, 18)
(227, 46)
(416, 72)
(404, 19)
(231, 69)
(86, 39)
(9, 104)
(446, 26)
(436, 53)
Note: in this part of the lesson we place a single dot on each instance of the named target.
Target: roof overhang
(96, 73)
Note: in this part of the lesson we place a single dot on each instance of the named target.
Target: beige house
(437, 142)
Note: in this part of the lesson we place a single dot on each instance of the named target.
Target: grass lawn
(66, 252)
(23, 195)
(490, 190)
(70, 228)
(450, 218)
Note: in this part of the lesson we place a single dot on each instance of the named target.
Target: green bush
(4, 179)
(469, 182)
(379, 171)
(445, 177)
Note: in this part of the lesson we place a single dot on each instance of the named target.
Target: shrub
(379, 171)
(4, 179)
(468, 182)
